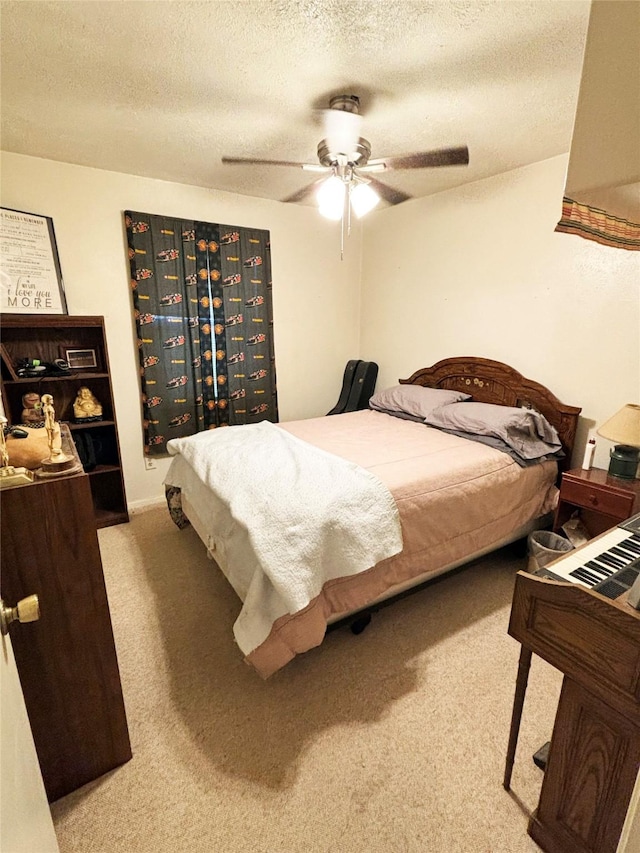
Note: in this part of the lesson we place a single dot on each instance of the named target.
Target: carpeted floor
(392, 741)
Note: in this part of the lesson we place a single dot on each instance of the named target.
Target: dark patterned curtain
(203, 311)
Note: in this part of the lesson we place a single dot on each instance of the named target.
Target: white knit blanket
(289, 517)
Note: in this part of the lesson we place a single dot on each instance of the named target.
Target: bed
(316, 520)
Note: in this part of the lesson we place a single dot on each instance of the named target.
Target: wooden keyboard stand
(595, 746)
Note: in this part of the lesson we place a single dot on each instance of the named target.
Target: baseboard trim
(135, 506)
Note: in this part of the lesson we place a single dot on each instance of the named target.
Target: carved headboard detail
(491, 381)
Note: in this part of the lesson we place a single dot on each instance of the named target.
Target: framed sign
(30, 275)
(81, 359)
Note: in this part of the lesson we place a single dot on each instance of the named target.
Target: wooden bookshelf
(49, 337)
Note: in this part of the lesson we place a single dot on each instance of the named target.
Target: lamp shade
(623, 427)
(331, 198)
(363, 199)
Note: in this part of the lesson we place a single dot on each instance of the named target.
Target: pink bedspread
(455, 498)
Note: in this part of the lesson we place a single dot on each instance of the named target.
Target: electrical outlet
(149, 463)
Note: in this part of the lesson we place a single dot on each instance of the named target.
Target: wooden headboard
(491, 381)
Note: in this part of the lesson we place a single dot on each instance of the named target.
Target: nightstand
(601, 500)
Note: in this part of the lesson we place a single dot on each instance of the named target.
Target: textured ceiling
(164, 89)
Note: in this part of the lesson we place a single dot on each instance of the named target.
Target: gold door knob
(26, 610)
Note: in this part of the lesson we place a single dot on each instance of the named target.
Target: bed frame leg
(360, 623)
(520, 547)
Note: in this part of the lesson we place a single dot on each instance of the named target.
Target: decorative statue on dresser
(4, 453)
(9, 474)
(86, 407)
(54, 438)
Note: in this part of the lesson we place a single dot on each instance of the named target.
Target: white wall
(316, 297)
(478, 270)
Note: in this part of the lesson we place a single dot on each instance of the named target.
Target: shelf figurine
(32, 412)
(86, 407)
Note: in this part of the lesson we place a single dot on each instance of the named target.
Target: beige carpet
(393, 740)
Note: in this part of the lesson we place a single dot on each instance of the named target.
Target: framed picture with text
(81, 359)
(30, 274)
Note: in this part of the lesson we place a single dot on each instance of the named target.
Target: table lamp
(624, 429)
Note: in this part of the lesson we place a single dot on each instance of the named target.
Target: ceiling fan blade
(304, 193)
(376, 166)
(342, 130)
(386, 192)
(426, 159)
(255, 162)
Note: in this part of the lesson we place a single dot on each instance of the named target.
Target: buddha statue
(86, 407)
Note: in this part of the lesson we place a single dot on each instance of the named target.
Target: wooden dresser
(67, 660)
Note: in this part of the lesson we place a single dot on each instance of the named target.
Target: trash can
(544, 547)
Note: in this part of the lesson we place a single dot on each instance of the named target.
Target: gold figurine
(86, 407)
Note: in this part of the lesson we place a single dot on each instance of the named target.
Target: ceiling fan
(344, 157)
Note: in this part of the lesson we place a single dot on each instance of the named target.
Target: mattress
(456, 500)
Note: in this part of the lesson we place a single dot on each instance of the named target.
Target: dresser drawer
(591, 496)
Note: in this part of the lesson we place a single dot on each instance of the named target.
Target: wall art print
(203, 312)
(30, 274)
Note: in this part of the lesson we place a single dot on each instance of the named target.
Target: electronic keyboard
(608, 565)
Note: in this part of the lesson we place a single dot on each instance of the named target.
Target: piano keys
(609, 564)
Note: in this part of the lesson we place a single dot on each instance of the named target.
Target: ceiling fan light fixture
(342, 130)
(363, 199)
(331, 198)
(344, 157)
